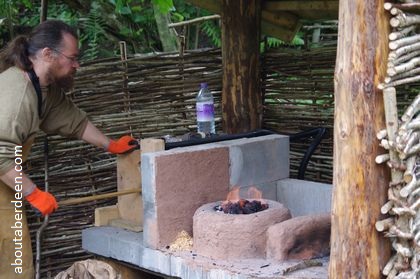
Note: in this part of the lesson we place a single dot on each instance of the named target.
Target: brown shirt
(19, 120)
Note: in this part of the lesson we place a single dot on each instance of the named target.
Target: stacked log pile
(402, 138)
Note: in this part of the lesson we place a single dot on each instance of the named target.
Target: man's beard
(65, 82)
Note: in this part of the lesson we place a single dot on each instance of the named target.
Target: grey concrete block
(258, 160)
(304, 197)
(148, 182)
(148, 172)
(91, 243)
(125, 245)
(180, 269)
(155, 260)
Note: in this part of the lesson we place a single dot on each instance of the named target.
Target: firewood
(387, 207)
(409, 172)
(412, 140)
(413, 72)
(408, 6)
(403, 250)
(411, 110)
(414, 183)
(395, 54)
(395, 232)
(411, 152)
(386, 144)
(388, 6)
(401, 211)
(381, 134)
(385, 224)
(402, 20)
(401, 33)
(406, 57)
(397, 165)
(399, 82)
(389, 266)
(414, 125)
(410, 65)
(382, 158)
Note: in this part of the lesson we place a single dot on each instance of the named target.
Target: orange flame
(253, 194)
(233, 195)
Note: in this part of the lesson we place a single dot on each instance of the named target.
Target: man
(28, 65)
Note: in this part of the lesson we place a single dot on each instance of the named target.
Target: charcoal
(241, 207)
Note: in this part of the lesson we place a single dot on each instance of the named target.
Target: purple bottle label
(205, 111)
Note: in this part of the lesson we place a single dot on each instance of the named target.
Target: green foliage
(94, 33)
(101, 24)
(164, 6)
(212, 30)
(272, 42)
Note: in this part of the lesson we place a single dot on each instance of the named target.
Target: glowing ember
(235, 205)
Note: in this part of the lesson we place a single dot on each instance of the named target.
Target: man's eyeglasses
(73, 59)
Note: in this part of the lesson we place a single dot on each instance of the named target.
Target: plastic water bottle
(205, 110)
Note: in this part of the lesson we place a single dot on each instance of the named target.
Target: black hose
(217, 138)
(319, 134)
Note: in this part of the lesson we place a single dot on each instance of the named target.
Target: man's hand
(124, 145)
(42, 201)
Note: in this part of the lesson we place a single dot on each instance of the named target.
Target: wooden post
(44, 11)
(241, 94)
(360, 185)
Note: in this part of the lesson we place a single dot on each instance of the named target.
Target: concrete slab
(304, 197)
(127, 246)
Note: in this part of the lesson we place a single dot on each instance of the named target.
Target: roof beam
(281, 25)
(300, 5)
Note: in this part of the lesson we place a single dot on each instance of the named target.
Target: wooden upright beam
(241, 95)
(360, 185)
(44, 11)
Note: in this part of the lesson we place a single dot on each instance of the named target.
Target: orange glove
(42, 202)
(124, 145)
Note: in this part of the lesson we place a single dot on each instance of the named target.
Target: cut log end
(395, 22)
(387, 6)
(385, 224)
(382, 158)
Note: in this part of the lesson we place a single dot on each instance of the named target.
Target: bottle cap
(203, 85)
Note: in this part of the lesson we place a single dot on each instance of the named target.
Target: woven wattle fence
(153, 96)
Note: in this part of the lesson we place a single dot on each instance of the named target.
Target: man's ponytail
(16, 54)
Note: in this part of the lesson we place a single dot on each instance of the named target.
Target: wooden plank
(152, 145)
(103, 215)
(279, 32)
(281, 19)
(130, 207)
(128, 177)
(360, 185)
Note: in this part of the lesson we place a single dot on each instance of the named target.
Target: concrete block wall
(178, 181)
(304, 197)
